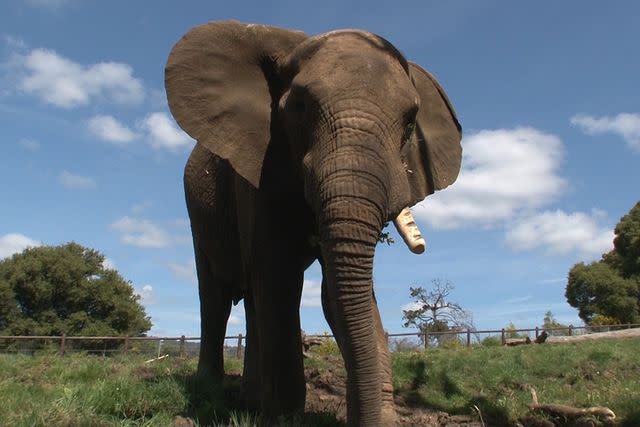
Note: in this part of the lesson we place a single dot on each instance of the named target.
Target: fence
(184, 346)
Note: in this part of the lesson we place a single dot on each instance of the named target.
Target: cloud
(109, 129)
(73, 181)
(146, 294)
(311, 293)
(14, 243)
(162, 132)
(108, 264)
(30, 144)
(237, 315)
(64, 83)
(184, 271)
(505, 171)
(141, 233)
(558, 232)
(626, 125)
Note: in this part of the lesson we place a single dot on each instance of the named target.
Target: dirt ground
(326, 392)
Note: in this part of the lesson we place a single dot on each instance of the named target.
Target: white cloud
(73, 181)
(146, 294)
(162, 132)
(504, 172)
(111, 130)
(30, 144)
(626, 125)
(141, 233)
(108, 264)
(311, 293)
(184, 271)
(64, 83)
(558, 232)
(237, 315)
(14, 243)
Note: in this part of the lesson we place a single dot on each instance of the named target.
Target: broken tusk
(409, 231)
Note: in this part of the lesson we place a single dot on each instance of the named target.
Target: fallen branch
(156, 358)
(569, 411)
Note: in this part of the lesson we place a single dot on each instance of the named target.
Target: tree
(549, 323)
(610, 288)
(433, 312)
(55, 290)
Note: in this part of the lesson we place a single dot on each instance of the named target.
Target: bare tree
(433, 311)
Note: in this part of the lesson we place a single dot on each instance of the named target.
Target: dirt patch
(326, 392)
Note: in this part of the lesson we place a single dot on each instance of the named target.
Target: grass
(49, 390)
(496, 379)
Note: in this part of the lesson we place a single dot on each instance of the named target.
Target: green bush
(491, 342)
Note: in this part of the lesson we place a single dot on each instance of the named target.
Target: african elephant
(306, 147)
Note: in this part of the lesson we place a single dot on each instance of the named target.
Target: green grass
(496, 379)
(49, 390)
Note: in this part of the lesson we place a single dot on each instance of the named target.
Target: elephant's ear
(433, 154)
(219, 80)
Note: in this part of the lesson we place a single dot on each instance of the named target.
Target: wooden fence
(126, 343)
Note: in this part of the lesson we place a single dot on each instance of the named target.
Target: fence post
(126, 345)
(468, 337)
(239, 347)
(503, 337)
(570, 330)
(426, 340)
(386, 335)
(63, 343)
(182, 346)
(537, 332)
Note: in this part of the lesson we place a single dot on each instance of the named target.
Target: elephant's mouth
(408, 229)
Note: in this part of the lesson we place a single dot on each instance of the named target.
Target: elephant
(306, 146)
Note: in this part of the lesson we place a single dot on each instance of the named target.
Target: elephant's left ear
(433, 154)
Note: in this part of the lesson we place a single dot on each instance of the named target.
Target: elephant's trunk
(351, 208)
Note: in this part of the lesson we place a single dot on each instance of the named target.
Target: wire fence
(187, 346)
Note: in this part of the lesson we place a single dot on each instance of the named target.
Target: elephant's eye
(408, 131)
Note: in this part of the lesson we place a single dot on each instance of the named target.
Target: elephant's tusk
(409, 231)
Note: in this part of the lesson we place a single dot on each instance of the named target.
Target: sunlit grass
(49, 390)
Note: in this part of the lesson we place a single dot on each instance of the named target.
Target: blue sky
(547, 94)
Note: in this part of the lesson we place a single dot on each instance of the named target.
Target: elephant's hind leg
(215, 308)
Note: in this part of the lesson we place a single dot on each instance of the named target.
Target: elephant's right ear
(433, 154)
(219, 80)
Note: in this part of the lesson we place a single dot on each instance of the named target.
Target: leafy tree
(54, 290)
(434, 312)
(611, 287)
(549, 323)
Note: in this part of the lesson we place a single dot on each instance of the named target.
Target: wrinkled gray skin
(306, 147)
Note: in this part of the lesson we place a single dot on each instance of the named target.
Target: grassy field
(49, 390)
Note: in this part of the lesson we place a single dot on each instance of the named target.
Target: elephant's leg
(215, 307)
(280, 361)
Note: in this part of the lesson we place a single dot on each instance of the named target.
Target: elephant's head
(369, 134)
